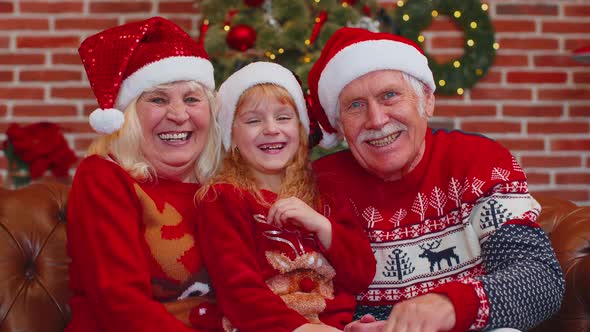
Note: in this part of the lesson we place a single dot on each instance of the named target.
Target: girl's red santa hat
(250, 75)
(124, 61)
(351, 53)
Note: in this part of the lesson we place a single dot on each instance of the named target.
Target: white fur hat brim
(250, 75)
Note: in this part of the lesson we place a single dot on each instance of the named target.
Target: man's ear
(429, 105)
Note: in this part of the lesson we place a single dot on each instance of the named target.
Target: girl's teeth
(385, 141)
(272, 147)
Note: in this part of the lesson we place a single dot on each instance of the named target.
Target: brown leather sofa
(34, 264)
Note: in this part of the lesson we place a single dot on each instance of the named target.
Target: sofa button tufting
(30, 271)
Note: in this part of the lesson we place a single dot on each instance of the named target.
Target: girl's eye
(252, 121)
(284, 117)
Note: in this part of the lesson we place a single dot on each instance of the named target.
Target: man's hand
(426, 313)
(367, 323)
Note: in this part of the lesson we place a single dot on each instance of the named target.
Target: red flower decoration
(42, 146)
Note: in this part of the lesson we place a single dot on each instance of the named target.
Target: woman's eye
(191, 100)
(157, 100)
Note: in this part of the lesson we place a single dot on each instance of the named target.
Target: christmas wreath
(452, 77)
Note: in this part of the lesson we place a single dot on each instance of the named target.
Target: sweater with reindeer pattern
(276, 279)
(132, 246)
(462, 223)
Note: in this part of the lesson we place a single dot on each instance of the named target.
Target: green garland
(453, 77)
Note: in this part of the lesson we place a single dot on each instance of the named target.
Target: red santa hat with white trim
(250, 75)
(351, 53)
(124, 61)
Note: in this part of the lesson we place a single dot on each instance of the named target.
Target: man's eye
(356, 104)
(389, 95)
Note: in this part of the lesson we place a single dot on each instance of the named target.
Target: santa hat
(353, 52)
(124, 61)
(250, 75)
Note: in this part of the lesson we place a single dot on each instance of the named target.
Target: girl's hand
(293, 211)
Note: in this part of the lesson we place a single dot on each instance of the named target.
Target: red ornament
(253, 3)
(349, 2)
(241, 37)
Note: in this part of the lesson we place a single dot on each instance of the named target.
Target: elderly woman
(131, 210)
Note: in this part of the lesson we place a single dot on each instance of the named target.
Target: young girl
(276, 264)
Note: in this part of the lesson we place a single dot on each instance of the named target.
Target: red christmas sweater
(462, 223)
(132, 245)
(271, 279)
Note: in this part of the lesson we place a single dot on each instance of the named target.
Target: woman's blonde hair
(124, 145)
(298, 179)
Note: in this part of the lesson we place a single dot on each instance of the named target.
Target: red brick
(50, 75)
(554, 61)
(573, 144)
(536, 77)
(583, 77)
(522, 144)
(446, 56)
(6, 7)
(440, 98)
(580, 111)
(550, 161)
(575, 43)
(529, 10)
(21, 59)
(82, 143)
(4, 42)
(444, 42)
(51, 7)
(529, 43)
(568, 194)
(558, 128)
(72, 93)
(448, 125)
(566, 27)
(24, 24)
(21, 93)
(485, 127)
(85, 23)
(185, 24)
(537, 178)
(118, 7)
(509, 60)
(572, 178)
(501, 93)
(3, 110)
(465, 110)
(576, 10)
(77, 127)
(6, 75)
(178, 7)
(66, 59)
(564, 94)
(492, 77)
(47, 41)
(514, 26)
(443, 24)
(532, 111)
(44, 110)
(88, 108)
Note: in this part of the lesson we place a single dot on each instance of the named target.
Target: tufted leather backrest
(568, 227)
(33, 260)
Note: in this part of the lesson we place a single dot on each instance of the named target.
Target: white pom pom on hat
(106, 121)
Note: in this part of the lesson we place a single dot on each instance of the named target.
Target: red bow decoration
(319, 22)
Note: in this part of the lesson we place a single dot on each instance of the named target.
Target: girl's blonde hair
(298, 179)
(124, 145)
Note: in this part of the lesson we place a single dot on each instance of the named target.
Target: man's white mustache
(385, 131)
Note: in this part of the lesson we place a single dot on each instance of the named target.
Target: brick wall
(535, 99)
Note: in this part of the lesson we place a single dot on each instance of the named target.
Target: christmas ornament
(253, 3)
(241, 37)
(268, 17)
(349, 2)
(203, 31)
(319, 22)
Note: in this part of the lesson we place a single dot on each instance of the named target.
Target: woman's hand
(293, 211)
(316, 328)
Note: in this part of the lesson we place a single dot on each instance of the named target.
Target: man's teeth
(385, 140)
(267, 147)
(174, 136)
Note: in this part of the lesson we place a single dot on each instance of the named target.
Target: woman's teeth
(174, 136)
(267, 147)
(385, 140)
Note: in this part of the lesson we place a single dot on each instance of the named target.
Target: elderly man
(451, 221)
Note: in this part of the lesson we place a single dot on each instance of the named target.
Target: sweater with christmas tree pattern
(462, 224)
(132, 245)
(272, 279)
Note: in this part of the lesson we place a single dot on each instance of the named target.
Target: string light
(272, 56)
(496, 46)
(400, 3)
(473, 25)
(206, 21)
(442, 83)
(307, 42)
(281, 50)
(421, 38)
(226, 27)
(457, 64)
(317, 20)
(457, 14)
(317, 1)
(484, 7)
(470, 43)
(434, 13)
(460, 91)
(479, 72)
(406, 17)
(307, 59)
(345, 4)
